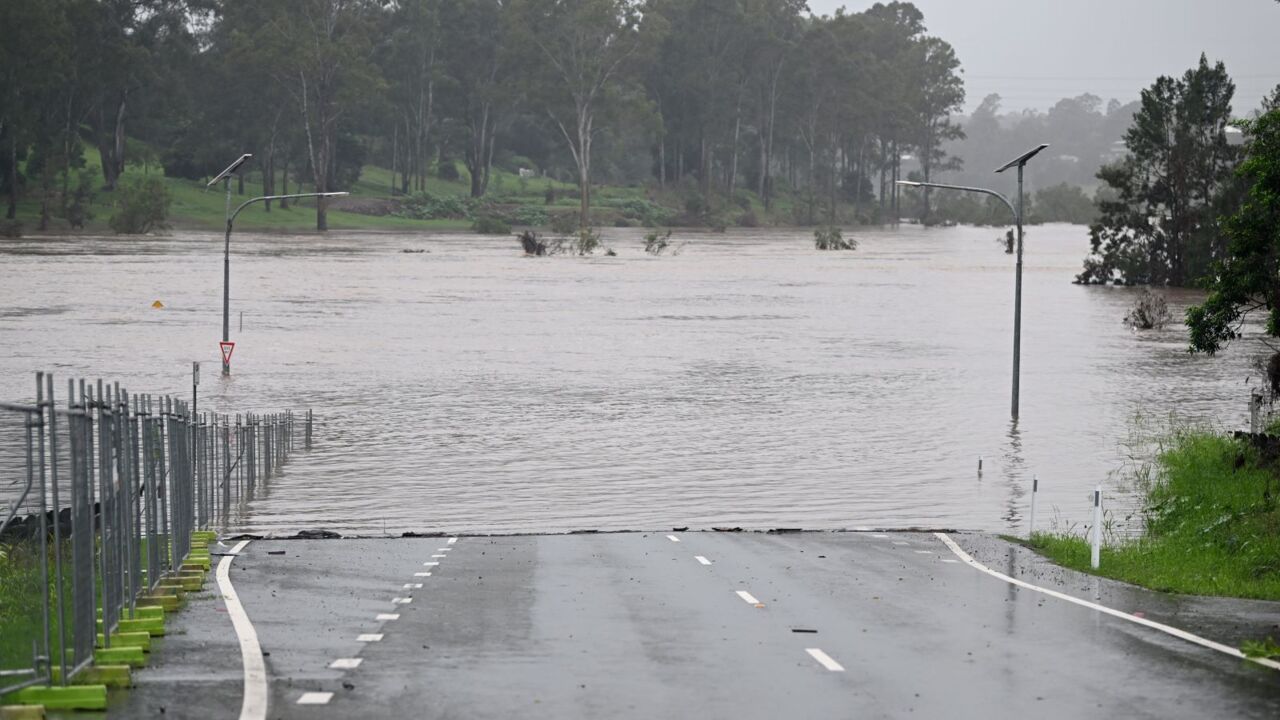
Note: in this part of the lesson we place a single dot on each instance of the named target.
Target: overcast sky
(1035, 52)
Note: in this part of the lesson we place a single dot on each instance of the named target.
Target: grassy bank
(374, 205)
(1212, 524)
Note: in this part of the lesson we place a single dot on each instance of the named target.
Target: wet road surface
(681, 625)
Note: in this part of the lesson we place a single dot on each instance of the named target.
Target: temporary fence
(100, 500)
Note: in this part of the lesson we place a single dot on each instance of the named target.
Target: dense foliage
(709, 98)
(1248, 277)
(1161, 225)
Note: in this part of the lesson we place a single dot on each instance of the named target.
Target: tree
(939, 92)
(1162, 228)
(1247, 279)
(584, 47)
(474, 59)
(322, 51)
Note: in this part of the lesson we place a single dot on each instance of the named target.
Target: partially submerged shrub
(1149, 312)
(588, 241)
(1007, 242)
(532, 244)
(656, 243)
(830, 238)
(489, 225)
(142, 205)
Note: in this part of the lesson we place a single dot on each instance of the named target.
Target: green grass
(22, 603)
(1212, 525)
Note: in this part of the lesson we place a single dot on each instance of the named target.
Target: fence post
(1031, 521)
(1095, 550)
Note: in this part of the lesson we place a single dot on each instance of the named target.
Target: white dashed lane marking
(748, 597)
(315, 698)
(702, 560)
(924, 552)
(422, 574)
(825, 659)
(431, 563)
(369, 637)
(453, 540)
(346, 663)
(673, 538)
(413, 586)
(402, 600)
(387, 616)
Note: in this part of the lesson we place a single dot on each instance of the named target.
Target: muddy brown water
(748, 381)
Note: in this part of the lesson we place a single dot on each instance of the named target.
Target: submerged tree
(1161, 227)
(1248, 278)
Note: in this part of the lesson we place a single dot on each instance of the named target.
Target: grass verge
(1212, 524)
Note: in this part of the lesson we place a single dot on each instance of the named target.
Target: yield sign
(227, 349)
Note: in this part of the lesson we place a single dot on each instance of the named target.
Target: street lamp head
(332, 194)
(1023, 158)
(231, 169)
(909, 183)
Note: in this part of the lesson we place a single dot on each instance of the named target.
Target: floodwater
(748, 381)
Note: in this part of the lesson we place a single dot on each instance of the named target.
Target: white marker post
(1095, 551)
(1031, 521)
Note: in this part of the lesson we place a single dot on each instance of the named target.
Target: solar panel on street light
(230, 169)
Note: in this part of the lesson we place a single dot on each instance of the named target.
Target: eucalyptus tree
(773, 33)
(33, 64)
(580, 68)
(937, 92)
(411, 62)
(322, 56)
(479, 76)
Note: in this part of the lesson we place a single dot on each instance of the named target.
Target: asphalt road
(708, 625)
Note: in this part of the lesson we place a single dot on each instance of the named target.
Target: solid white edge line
(254, 704)
(748, 597)
(1181, 634)
(825, 659)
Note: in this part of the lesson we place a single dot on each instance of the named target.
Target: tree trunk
(704, 170)
(13, 175)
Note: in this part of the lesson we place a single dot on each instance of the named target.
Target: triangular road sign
(227, 349)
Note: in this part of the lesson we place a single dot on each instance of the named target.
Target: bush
(10, 229)
(641, 211)
(448, 171)
(748, 219)
(142, 205)
(1149, 312)
(529, 215)
(549, 195)
(830, 238)
(489, 225)
(425, 206)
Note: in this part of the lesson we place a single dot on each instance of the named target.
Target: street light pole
(225, 175)
(1019, 162)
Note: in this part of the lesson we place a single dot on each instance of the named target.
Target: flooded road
(750, 380)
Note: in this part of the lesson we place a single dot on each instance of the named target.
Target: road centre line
(924, 552)
(387, 616)
(439, 555)
(673, 538)
(430, 564)
(824, 659)
(1181, 634)
(413, 586)
(402, 600)
(453, 540)
(346, 663)
(315, 698)
(422, 574)
(254, 704)
(369, 637)
(702, 560)
(748, 597)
